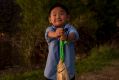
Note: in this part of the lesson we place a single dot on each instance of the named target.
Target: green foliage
(27, 20)
(99, 58)
(32, 26)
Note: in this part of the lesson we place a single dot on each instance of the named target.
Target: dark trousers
(71, 79)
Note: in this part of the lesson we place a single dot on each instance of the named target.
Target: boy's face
(58, 17)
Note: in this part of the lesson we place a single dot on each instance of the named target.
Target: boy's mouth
(58, 20)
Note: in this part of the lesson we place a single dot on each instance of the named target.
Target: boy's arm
(52, 34)
(71, 36)
(56, 34)
(47, 36)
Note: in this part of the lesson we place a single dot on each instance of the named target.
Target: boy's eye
(61, 13)
(53, 14)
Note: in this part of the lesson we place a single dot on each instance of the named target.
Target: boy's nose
(58, 16)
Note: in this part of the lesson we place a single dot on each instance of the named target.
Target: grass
(99, 58)
(33, 75)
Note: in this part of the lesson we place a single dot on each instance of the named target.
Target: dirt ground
(110, 72)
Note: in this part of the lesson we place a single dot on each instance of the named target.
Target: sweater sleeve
(48, 39)
(72, 29)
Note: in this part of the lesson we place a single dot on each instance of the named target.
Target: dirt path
(110, 72)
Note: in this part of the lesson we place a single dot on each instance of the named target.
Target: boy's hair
(59, 5)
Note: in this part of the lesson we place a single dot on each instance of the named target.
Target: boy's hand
(57, 34)
(63, 37)
(61, 33)
(71, 36)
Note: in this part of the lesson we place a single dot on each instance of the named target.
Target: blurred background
(23, 48)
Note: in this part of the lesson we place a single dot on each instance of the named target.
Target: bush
(99, 58)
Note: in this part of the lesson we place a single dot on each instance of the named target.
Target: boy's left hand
(63, 37)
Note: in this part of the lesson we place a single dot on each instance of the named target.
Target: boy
(59, 17)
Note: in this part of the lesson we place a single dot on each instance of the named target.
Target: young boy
(59, 17)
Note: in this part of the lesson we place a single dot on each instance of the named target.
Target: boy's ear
(49, 20)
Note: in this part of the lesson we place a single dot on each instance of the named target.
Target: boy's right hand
(56, 34)
(59, 32)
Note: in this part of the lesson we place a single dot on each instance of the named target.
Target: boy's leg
(47, 79)
(73, 78)
(51, 79)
